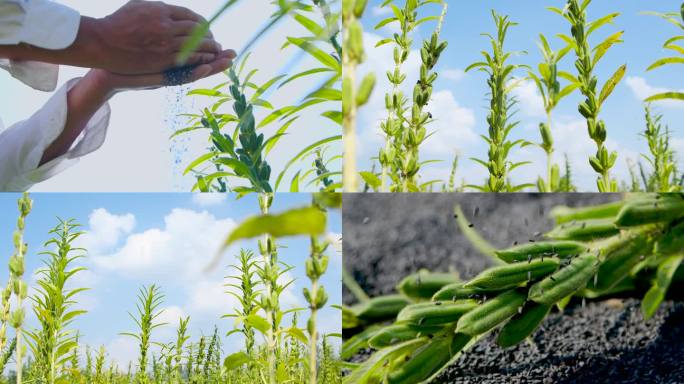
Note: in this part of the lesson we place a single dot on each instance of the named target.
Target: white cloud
(182, 248)
(642, 90)
(122, 350)
(209, 299)
(105, 230)
(453, 126)
(209, 199)
(381, 11)
(453, 74)
(529, 99)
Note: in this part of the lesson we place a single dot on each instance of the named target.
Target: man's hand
(114, 83)
(141, 37)
(147, 36)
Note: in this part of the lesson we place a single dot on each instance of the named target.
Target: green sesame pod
(564, 282)
(491, 313)
(457, 291)
(397, 333)
(354, 344)
(652, 209)
(428, 359)
(565, 214)
(435, 313)
(423, 285)
(512, 275)
(672, 241)
(522, 325)
(524, 252)
(584, 230)
(617, 263)
(381, 308)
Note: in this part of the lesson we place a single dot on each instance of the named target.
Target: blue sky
(164, 239)
(460, 98)
(141, 122)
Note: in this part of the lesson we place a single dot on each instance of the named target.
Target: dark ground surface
(387, 237)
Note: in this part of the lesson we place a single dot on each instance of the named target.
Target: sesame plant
(664, 175)
(404, 121)
(591, 253)
(260, 288)
(500, 82)
(53, 304)
(673, 44)
(548, 84)
(587, 59)
(149, 300)
(229, 158)
(273, 352)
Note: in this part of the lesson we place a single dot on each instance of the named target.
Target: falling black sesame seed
(178, 75)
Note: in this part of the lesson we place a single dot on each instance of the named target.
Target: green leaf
(258, 323)
(612, 83)
(666, 61)
(295, 222)
(236, 360)
(316, 52)
(371, 179)
(666, 96)
(656, 294)
(303, 153)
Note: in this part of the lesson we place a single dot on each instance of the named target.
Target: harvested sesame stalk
(602, 260)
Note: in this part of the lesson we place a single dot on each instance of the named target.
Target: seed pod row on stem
(587, 59)
(415, 133)
(500, 83)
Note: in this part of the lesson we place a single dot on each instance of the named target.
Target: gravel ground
(387, 237)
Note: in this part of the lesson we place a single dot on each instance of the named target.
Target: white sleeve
(23, 144)
(41, 23)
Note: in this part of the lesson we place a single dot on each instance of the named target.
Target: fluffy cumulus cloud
(642, 90)
(209, 199)
(452, 74)
(186, 243)
(105, 229)
(529, 99)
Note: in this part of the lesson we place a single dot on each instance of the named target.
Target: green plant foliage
(587, 59)
(500, 82)
(240, 155)
(53, 342)
(646, 249)
(673, 45)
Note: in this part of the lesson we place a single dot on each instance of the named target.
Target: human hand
(146, 37)
(113, 83)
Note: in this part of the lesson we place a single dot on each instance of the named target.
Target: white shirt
(48, 25)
